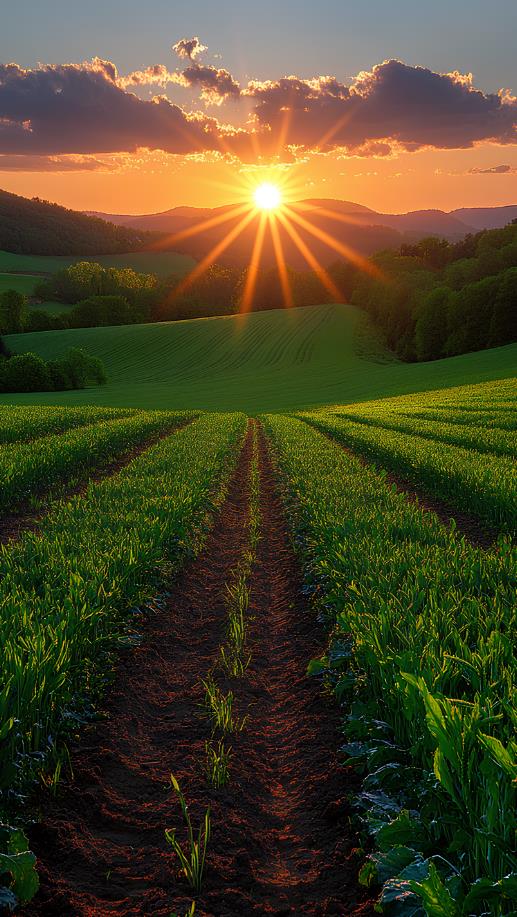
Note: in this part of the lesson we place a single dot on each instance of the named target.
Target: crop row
(490, 419)
(65, 594)
(19, 424)
(421, 659)
(483, 484)
(30, 468)
(479, 438)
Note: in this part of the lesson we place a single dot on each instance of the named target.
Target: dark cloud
(408, 107)
(86, 109)
(216, 84)
(189, 48)
(80, 109)
(494, 170)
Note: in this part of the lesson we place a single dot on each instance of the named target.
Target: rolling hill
(39, 227)
(161, 263)
(267, 361)
(350, 224)
(451, 223)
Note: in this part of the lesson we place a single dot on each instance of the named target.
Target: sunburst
(271, 204)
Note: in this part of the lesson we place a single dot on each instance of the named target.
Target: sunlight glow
(267, 196)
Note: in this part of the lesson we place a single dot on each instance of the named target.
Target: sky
(131, 107)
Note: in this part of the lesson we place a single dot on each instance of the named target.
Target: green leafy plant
(219, 707)
(420, 652)
(18, 877)
(192, 853)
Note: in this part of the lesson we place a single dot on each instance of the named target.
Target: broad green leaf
(436, 898)
(22, 869)
(403, 830)
(501, 755)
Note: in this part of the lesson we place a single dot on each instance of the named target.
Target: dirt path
(281, 840)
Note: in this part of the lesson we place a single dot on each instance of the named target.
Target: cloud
(24, 163)
(216, 84)
(393, 104)
(189, 48)
(80, 109)
(88, 109)
(494, 170)
(156, 74)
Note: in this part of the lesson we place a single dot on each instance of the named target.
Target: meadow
(400, 512)
(149, 262)
(366, 504)
(268, 361)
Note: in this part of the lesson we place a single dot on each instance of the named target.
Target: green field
(268, 361)
(160, 263)
(418, 614)
(24, 283)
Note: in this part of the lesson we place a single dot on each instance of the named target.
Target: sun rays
(270, 213)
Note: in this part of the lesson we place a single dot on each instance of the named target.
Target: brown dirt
(281, 841)
(28, 518)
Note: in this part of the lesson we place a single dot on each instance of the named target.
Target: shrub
(82, 368)
(38, 320)
(4, 350)
(26, 372)
(13, 306)
(103, 310)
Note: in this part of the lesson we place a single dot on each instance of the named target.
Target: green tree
(26, 372)
(432, 323)
(82, 368)
(103, 310)
(503, 325)
(13, 306)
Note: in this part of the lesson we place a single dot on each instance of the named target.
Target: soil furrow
(281, 836)
(288, 842)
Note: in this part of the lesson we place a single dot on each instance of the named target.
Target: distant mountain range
(317, 231)
(348, 223)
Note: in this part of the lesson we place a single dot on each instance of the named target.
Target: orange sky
(152, 182)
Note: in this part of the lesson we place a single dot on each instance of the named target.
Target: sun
(267, 196)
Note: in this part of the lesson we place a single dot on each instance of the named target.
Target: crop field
(260, 665)
(461, 464)
(19, 424)
(160, 263)
(265, 361)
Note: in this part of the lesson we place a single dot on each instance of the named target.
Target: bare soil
(282, 836)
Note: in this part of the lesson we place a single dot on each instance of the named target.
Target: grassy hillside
(269, 361)
(24, 283)
(160, 263)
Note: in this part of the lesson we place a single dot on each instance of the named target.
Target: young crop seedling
(217, 763)
(192, 854)
(233, 656)
(219, 707)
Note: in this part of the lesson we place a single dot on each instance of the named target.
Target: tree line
(430, 299)
(437, 299)
(37, 227)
